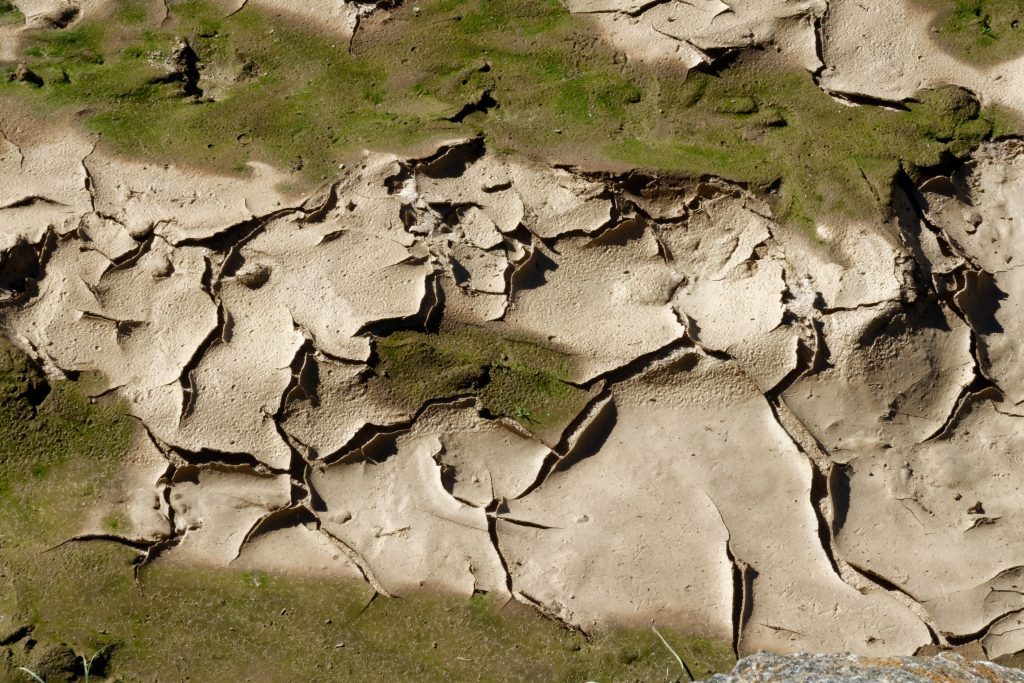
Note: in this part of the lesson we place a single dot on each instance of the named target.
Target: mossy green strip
(204, 624)
(277, 91)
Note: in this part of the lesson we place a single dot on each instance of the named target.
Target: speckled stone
(800, 668)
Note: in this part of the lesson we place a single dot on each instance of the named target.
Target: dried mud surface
(617, 398)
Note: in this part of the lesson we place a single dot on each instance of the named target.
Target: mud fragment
(397, 515)
(686, 402)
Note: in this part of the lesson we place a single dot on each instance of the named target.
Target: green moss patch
(778, 131)
(47, 425)
(9, 14)
(512, 378)
(980, 31)
(276, 90)
(58, 449)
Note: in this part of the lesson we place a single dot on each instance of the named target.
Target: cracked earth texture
(615, 397)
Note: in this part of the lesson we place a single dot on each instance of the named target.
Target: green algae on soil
(277, 90)
(979, 31)
(9, 14)
(513, 378)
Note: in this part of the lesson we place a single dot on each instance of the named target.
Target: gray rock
(253, 275)
(801, 668)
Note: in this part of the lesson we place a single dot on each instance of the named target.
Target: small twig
(32, 674)
(682, 664)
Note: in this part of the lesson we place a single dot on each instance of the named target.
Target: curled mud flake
(690, 33)
(894, 382)
(287, 549)
(863, 57)
(1006, 636)
(685, 397)
(108, 237)
(337, 288)
(182, 205)
(487, 460)
(986, 234)
(626, 315)
(347, 403)
(443, 539)
(133, 506)
(216, 511)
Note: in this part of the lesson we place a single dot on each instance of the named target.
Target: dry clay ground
(616, 397)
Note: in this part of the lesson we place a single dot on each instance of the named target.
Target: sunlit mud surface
(618, 397)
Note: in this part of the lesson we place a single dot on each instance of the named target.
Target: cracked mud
(616, 397)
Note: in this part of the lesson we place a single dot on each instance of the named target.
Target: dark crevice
(522, 522)
(484, 103)
(373, 443)
(637, 10)
(547, 613)
(185, 379)
(649, 361)
(819, 490)
(213, 457)
(23, 266)
(594, 425)
(130, 259)
(957, 640)
(62, 17)
(151, 554)
(818, 24)
(426, 319)
(377, 443)
(184, 70)
(358, 560)
(451, 161)
(16, 635)
(882, 582)
(319, 213)
(135, 544)
(864, 100)
(276, 520)
(31, 200)
(743, 576)
(492, 532)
